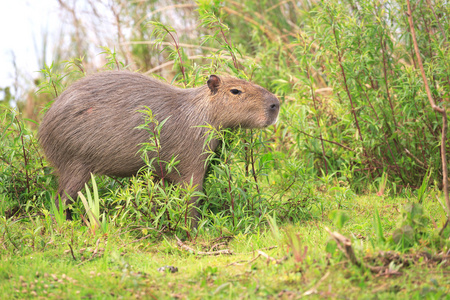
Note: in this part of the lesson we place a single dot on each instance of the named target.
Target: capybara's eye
(235, 92)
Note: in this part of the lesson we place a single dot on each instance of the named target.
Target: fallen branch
(269, 258)
(260, 254)
(345, 245)
(313, 290)
(244, 262)
(216, 246)
(192, 250)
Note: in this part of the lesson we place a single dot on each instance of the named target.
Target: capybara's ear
(213, 83)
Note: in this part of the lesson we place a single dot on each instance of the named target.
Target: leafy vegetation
(343, 197)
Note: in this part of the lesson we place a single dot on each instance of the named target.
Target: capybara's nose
(274, 106)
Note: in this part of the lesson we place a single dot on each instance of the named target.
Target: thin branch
(252, 162)
(71, 252)
(382, 45)
(317, 114)
(328, 141)
(169, 63)
(25, 157)
(420, 163)
(184, 45)
(192, 250)
(344, 77)
(437, 20)
(9, 237)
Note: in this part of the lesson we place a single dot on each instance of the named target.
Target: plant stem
(382, 45)
(252, 161)
(317, 119)
(54, 87)
(231, 194)
(155, 133)
(339, 54)
(229, 46)
(25, 157)
(177, 47)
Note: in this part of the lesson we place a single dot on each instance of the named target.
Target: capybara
(91, 127)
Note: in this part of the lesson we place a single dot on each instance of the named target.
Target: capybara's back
(93, 123)
(91, 127)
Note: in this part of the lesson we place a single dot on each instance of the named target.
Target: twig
(328, 141)
(345, 245)
(437, 20)
(313, 290)
(344, 78)
(269, 248)
(443, 227)
(25, 157)
(189, 249)
(278, 4)
(245, 262)
(231, 192)
(9, 237)
(443, 206)
(180, 57)
(184, 45)
(169, 63)
(71, 251)
(96, 248)
(316, 112)
(382, 45)
(240, 262)
(269, 258)
(252, 162)
(93, 253)
(415, 158)
(216, 245)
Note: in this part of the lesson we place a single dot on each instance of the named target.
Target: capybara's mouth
(274, 121)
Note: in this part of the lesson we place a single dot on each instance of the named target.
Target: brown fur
(91, 127)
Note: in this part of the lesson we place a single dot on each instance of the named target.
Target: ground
(41, 259)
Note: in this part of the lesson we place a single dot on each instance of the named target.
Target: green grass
(36, 260)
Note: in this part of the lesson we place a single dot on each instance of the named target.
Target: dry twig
(93, 253)
(71, 252)
(313, 290)
(260, 254)
(192, 250)
(345, 245)
(269, 258)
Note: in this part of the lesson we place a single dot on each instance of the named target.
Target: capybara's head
(238, 102)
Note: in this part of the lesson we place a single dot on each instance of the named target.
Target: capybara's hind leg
(70, 183)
